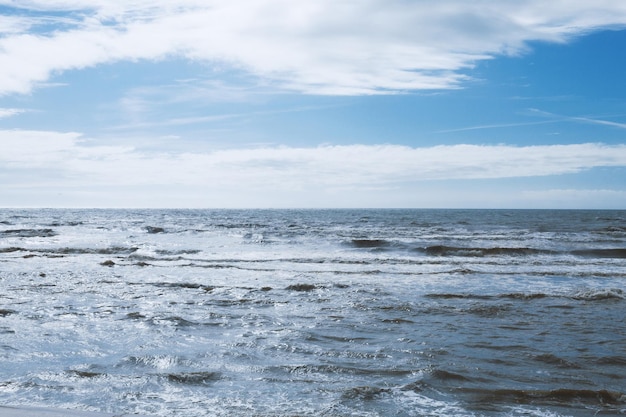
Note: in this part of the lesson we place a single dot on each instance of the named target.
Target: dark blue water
(314, 312)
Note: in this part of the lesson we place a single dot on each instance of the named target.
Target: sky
(313, 104)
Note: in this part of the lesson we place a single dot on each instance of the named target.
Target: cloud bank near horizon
(72, 160)
(322, 47)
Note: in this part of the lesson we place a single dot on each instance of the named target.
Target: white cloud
(46, 168)
(10, 112)
(28, 149)
(321, 47)
(77, 161)
(13, 24)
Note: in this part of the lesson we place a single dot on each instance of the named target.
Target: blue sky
(271, 103)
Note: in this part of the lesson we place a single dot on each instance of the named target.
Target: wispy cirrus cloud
(322, 47)
(4, 112)
(550, 118)
(14, 24)
(495, 126)
(578, 119)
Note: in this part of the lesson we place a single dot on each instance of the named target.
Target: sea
(314, 312)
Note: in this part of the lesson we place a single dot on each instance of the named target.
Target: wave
(599, 295)
(301, 287)
(152, 361)
(12, 249)
(561, 396)
(28, 233)
(146, 258)
(176, 321)
(85, 374)
(398, 321)
(612, 360)
(243, 225)
(364, 393)
(524, 296)
(551, 359)
(488, 310)
(436, 379)
(443, 250)
(70, 223)
(185, 285)
(113, 250)
(340, 369)
(580, 295)
(613, 229)
(618, 253)
(444, 375)
(369, 243)
(461, 251)
(446, 296)
(194, 378)
(177, 252)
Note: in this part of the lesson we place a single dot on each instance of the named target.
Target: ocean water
(314, 312)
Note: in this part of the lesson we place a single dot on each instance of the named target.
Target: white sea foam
(313, 313)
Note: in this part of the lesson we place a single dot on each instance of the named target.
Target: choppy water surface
(314, 313)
